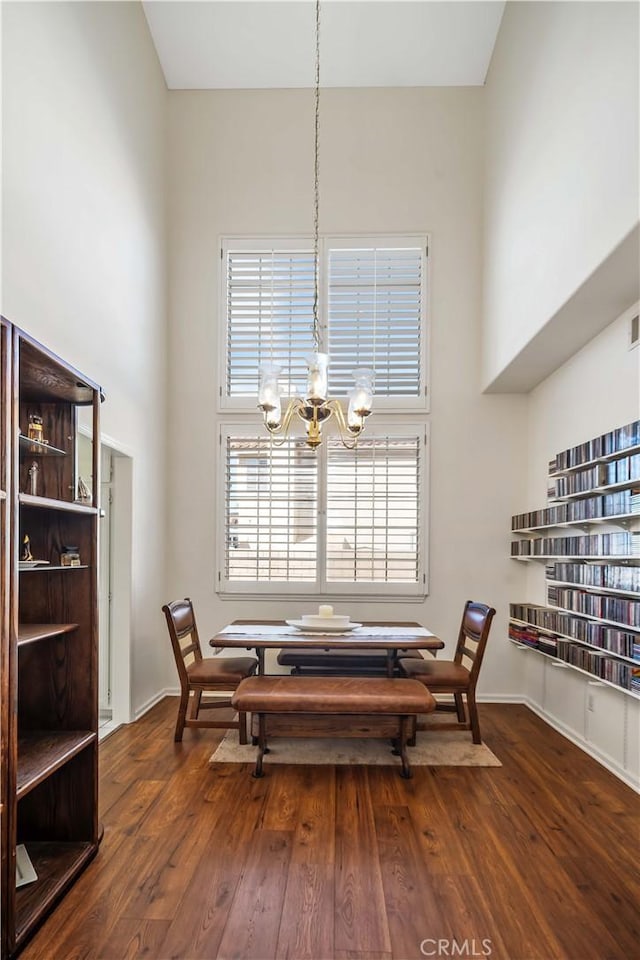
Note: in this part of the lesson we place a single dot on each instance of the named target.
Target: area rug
(433, 748)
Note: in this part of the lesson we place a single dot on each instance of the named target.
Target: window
(338, 521)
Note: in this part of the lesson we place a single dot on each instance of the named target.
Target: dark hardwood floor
(535, 859)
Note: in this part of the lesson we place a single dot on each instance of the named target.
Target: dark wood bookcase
(50, 632)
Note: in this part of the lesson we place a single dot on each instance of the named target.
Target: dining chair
(200, 674)
(452, 676)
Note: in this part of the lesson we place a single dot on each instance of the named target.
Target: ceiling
(248, 44)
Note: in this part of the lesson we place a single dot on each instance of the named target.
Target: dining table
(390, 636)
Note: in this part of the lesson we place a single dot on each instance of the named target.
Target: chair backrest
(473, 636)
(181, 621)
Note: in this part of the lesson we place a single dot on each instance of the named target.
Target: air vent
(634, 332)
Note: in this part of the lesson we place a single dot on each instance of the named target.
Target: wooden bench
(361, 706)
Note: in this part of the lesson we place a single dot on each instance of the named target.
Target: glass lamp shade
(354, 420)
(361, 397)
(269, 387)
(273, 415)
(317, 386)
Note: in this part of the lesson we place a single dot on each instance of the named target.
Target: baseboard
(567, 732)
(156, 698)
(584, 745)
(167, 692)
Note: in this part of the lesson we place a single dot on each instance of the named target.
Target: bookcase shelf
(608, 557)
(607, 458)
(57, 864)
(619, 518)
(34, 448)
(589, 588)
(570, 666)
(32, 632)
(621, 443)
(42, 752)
(49, 665)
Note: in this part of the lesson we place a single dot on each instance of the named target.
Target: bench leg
(405, 733)
(262, 729)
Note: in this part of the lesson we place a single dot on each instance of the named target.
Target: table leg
(260, 654)
(391, 662)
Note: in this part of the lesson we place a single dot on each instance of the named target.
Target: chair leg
(462, 718)
(242, 727)
(195, 704)
(473, 716)
(182, 713)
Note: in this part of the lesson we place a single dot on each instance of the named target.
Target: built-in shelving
(619, 444)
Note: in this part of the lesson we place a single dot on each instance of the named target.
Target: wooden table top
(372, 635)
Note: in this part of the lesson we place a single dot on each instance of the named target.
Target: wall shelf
(570, 666)
(619, 634)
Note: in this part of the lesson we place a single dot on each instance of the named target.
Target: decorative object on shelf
(26, 548)
(35, 429)
(317, 406)
(33, 479)
(25, 872)
(84, 491)
(69, 557)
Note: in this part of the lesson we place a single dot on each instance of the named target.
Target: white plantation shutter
(349, 522)
(270, 511)
(269, 306)
(374, 511)
(376, 300)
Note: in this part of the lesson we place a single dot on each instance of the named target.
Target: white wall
(396, 161)
(84, 244)
(562, 184)
(596, 391)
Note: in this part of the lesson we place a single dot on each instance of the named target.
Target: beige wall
(84, 244)
(562, 181)
(392, 161)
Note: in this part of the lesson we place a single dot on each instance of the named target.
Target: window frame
(285, 590)
(418, 404)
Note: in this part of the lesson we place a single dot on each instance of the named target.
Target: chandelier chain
(316, 187)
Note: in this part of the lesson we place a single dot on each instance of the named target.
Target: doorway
(114, 579)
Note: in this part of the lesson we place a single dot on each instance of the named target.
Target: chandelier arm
(282, 430)
(346, 432)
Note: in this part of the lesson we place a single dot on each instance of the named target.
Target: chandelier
(316, 407)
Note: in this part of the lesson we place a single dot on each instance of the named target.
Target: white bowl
(315, 620)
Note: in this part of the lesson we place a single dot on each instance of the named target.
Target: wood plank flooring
(534, 860)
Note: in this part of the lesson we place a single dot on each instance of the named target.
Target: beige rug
(433, 748)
